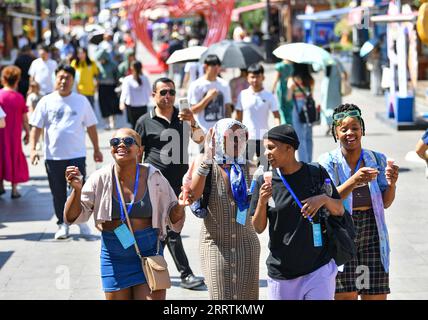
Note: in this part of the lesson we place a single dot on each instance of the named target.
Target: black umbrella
(233, 54)
(96, 37)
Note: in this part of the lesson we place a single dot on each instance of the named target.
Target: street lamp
(267, 39)
(39, 22)
(359, 74)
(52, 23)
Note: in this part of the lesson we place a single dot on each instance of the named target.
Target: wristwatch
(195, 126)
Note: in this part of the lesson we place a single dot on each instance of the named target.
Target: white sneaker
(84, 229)
(62, 233)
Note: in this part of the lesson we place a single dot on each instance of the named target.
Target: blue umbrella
(368, 47)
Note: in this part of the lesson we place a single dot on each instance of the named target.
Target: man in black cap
(300, 266)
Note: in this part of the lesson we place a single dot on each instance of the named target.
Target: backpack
(340, 230)
(310, 113)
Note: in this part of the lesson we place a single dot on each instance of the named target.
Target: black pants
(58, 184)
(256, 147)
(134, 113)
(108, 100)
(175, 247)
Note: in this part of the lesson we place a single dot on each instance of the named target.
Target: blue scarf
(239, 186)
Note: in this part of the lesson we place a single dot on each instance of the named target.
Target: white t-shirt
(133, 94)
(215, 110)
(64, 120)
(2, 113)
(195, 70)
(255, 107)
(44, 74)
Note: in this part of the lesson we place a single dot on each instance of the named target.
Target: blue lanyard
(129, 208)
(291, 191)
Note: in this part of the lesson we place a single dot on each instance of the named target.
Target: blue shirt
(425, 137)
(337, 167)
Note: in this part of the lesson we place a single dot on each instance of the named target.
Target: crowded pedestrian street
(213, 151)
(35, 266)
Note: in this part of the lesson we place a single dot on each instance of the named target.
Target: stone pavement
(34, 266)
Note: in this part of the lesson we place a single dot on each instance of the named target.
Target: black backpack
(340, 230)
(309, 113)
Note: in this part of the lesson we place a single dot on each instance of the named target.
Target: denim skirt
(121, 268)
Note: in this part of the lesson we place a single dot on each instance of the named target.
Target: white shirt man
(253, 107)
(209, 96)
(42, 71)
(65, 116)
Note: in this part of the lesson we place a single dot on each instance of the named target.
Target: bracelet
(203, 171)
(205, 165)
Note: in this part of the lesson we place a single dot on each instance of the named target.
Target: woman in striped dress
(229, 248)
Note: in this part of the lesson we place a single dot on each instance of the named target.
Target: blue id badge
(125, 236)
(241, 217)
(316, 231)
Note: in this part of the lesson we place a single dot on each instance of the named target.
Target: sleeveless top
(140, 209)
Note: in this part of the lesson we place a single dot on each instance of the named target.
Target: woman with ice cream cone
(366, 181)
(300, 266)
(229, 249)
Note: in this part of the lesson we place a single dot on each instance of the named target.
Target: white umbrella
(186, 55)
(301, 52)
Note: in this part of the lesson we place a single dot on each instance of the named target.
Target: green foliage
(250, 19)
(79, 16)
(342, 27)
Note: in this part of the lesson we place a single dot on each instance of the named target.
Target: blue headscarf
(236, 174)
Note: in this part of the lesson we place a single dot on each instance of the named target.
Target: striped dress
(229, 251)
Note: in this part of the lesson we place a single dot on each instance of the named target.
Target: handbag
(310, 113)
(154, 267)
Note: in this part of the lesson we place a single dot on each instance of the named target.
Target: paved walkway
(34, 266)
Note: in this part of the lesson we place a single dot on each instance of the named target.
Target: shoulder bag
(154, 267)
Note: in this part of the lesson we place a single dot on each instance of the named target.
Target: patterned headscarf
(222, 129)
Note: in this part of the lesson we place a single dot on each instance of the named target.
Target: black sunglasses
(127, 141)
(165, 91)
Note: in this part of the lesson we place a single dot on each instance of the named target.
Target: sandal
(15, 195)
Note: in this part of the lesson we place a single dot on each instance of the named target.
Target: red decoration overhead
(217, 14)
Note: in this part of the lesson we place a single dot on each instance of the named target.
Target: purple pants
(318, 285)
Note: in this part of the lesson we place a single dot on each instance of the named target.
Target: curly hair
(10, 75)
(345, 108)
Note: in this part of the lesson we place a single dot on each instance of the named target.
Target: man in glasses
(210, 96)
(65, 116)
(165, 138)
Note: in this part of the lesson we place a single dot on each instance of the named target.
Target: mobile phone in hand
(183, 104)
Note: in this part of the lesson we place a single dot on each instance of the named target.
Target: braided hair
(344, 108)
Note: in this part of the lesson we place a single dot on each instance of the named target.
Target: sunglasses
(342, 115)
(127, 141)
(165, 91)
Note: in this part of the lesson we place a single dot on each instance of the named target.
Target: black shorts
(365, 274)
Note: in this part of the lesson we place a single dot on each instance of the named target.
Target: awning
(113, 4)
(395, 18)
(324, 15)
(237, 11)
(23, 15)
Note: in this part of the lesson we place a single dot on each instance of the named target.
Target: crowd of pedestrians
(153, 178)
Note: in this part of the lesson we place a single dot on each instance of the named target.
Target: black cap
(284, 133)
